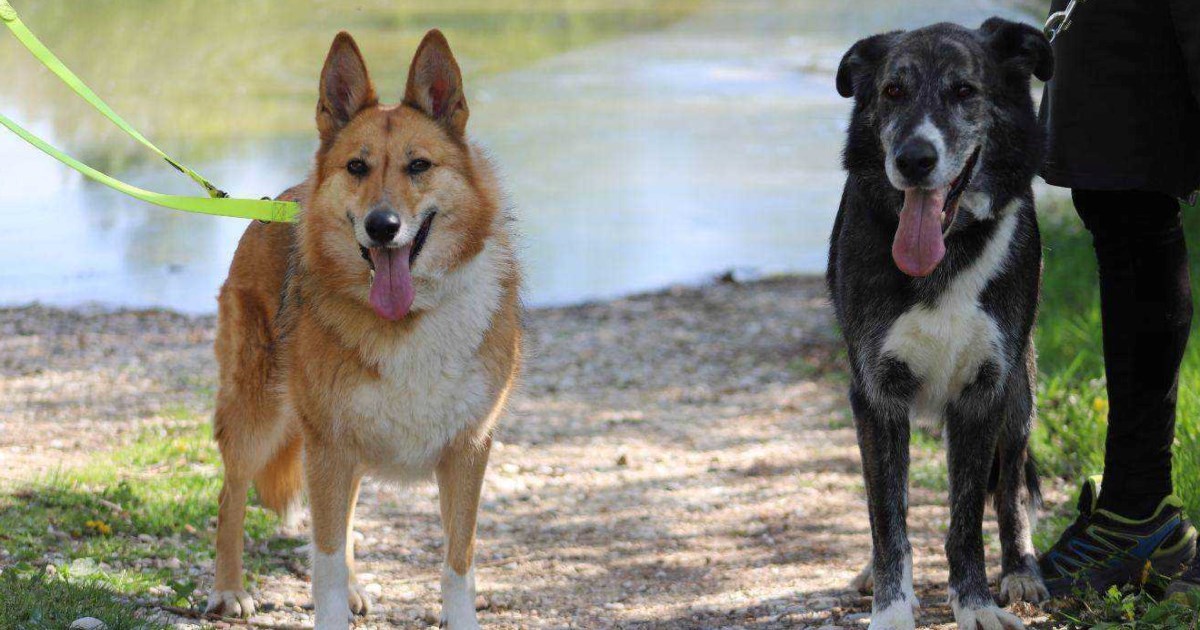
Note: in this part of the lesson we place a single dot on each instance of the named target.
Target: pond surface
(643, 143)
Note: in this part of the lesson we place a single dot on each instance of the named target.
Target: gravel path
(676, 460)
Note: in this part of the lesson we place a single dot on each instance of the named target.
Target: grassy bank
(132, 527)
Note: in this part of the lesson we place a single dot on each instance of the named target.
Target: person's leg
(1145, 303)
(1146, 306)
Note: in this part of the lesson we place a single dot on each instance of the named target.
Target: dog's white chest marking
(432, 385)
(945, 344)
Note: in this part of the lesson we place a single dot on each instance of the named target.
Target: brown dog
(380, 334)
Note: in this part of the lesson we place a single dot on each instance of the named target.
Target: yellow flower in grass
(100, 527)
(1100, 405)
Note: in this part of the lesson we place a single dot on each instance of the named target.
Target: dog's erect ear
(861, 60)
(435, 84)
(345, 87)
(1020, 46)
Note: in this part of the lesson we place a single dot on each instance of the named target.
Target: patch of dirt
(75, 382)
(678, 460)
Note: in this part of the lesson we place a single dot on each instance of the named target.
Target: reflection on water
(644, 143)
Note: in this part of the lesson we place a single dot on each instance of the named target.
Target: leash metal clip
(1060, 21)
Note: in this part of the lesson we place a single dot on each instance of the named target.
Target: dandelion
(100, 527)
(1100, 405)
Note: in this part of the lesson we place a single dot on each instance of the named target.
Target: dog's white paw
(987, 617)
(864, 582)
(899, 615)
(1023, 587)
(333, 624)
(335, 593)
(360, 604)
(452, 621)
(458, 600)
(335, 621)
(230, 604)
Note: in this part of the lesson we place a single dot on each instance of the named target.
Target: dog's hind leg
(460, 478)
(250, 430)
(883, 433)
(360, 603)
(1017, 500)
(247, 437)
(229, 597)
(972, 433)
(864, 582)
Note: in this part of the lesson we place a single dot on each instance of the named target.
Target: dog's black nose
(382, 225)
(916, 159)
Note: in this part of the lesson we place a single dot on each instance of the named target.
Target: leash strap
(217, 203)
(260, 209)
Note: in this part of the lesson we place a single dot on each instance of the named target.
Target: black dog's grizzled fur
(955, 342)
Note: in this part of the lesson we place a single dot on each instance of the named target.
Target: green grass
(1128, 609)
(928, 463)
(119, 522)
(42, 602)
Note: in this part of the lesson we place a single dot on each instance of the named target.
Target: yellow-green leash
(217, 203)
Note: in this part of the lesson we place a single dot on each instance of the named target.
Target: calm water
(644, 143)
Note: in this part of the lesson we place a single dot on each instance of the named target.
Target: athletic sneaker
(1189, 581)
(1103, 549)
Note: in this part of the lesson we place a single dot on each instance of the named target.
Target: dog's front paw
(360, 604)
(458, 599)
(986, 617)
(899, 615)
(1023, 587)
(230, 604)
(458, 622)
(468, 623)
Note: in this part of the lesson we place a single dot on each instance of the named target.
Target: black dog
(934, 271)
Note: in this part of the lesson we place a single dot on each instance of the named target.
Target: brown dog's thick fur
(316, 388)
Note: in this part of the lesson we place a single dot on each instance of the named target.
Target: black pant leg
(1145, 302)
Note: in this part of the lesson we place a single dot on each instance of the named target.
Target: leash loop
(1060, 21)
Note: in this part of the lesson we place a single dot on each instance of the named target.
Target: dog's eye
(893, 91)
(419, 165)
(357, 167)
(964, 91)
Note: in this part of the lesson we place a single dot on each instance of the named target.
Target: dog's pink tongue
(918, 247)
(392, 289)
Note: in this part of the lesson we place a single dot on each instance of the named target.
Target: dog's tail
(279, 483)
(1032, 483)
